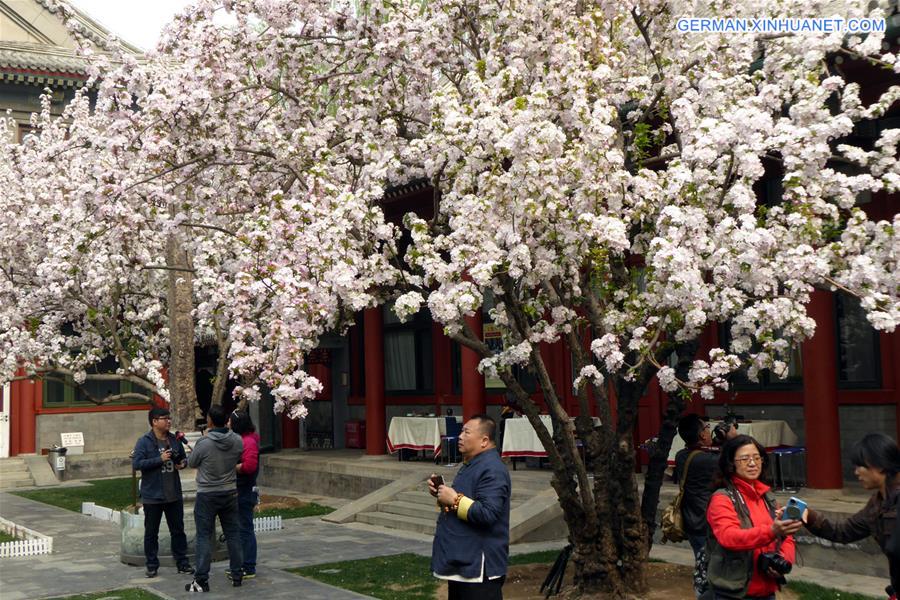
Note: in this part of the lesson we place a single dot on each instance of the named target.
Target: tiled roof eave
(44, 78)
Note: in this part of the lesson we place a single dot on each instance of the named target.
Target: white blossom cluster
(594, 166)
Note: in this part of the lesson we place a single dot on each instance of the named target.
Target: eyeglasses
(755, 459)
(163, 419)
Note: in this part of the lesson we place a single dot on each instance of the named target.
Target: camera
(720, 431)
(777, 563)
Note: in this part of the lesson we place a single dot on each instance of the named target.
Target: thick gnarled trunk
(183, 394)
(610, 524)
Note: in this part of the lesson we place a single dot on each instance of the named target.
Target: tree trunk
(220, 381)
(182, 391)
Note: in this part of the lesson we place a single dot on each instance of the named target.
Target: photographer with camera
(726, 430)
(750, 548)
(876, 459)
(696, 466)
(159, 455)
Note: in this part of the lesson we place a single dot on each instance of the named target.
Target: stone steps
(408, 509)
(13, 465)
(14, 474)
(401, 522)
(420, 495)
(414, 509)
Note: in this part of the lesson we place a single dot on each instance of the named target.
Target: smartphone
(437, 481)
(794, 508)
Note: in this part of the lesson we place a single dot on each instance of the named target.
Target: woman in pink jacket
(248, 492)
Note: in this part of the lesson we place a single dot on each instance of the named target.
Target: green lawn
(5, 537)
(126, 594)
(116, 494)
(811, 591)
(111, 493)
(308, 510)
(398, 577)
(408, 577)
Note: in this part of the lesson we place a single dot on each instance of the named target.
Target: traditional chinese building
(37, 53)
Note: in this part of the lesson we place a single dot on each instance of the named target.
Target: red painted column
(895, 346)
(820, 405)
(15, 414)
(376, 432)
(33, 389)
(474, 400)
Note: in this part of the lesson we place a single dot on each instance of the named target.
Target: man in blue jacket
(158, 455)
(471, 542)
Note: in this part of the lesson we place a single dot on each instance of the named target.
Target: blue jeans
(246, 503)
(207, 507)
(153, 514)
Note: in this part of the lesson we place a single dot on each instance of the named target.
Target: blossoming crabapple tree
(593, 171)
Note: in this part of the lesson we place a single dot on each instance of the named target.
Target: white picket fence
(101, 512)
(31, 547)
(261, 524)
(34, 543)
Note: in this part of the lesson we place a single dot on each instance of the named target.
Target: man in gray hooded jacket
(215, 456)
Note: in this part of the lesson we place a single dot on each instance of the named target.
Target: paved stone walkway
(86, 558)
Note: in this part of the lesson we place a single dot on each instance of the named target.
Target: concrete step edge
(15, 476)
(396, 522)
(13, 485)
(407, 509)
(371, 517)
(13, 468)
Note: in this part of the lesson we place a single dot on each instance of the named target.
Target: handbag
(672, 523)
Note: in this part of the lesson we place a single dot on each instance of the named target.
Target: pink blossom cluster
(594, 167)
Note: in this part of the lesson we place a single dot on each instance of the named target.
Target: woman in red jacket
(745, 525)
(248, 493)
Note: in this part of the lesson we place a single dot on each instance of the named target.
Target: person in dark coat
(471, 542)
(697, 488)
(215, 457)
(248, 492)
(158, 455)
(876, 459)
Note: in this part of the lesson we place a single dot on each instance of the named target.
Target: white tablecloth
(520, 439)
(770, 434)
(417, 433)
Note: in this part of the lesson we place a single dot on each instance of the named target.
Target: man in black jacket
(697, 488)
(158, 455)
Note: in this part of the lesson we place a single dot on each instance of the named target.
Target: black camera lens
(775, 562)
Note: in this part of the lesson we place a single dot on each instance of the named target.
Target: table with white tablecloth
(417, 433)
(771, 434)
(521, 440)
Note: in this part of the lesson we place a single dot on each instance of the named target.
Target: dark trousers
(153, 514)
(246, 503)
(207, 507)
(698, 545)
(491, 589)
